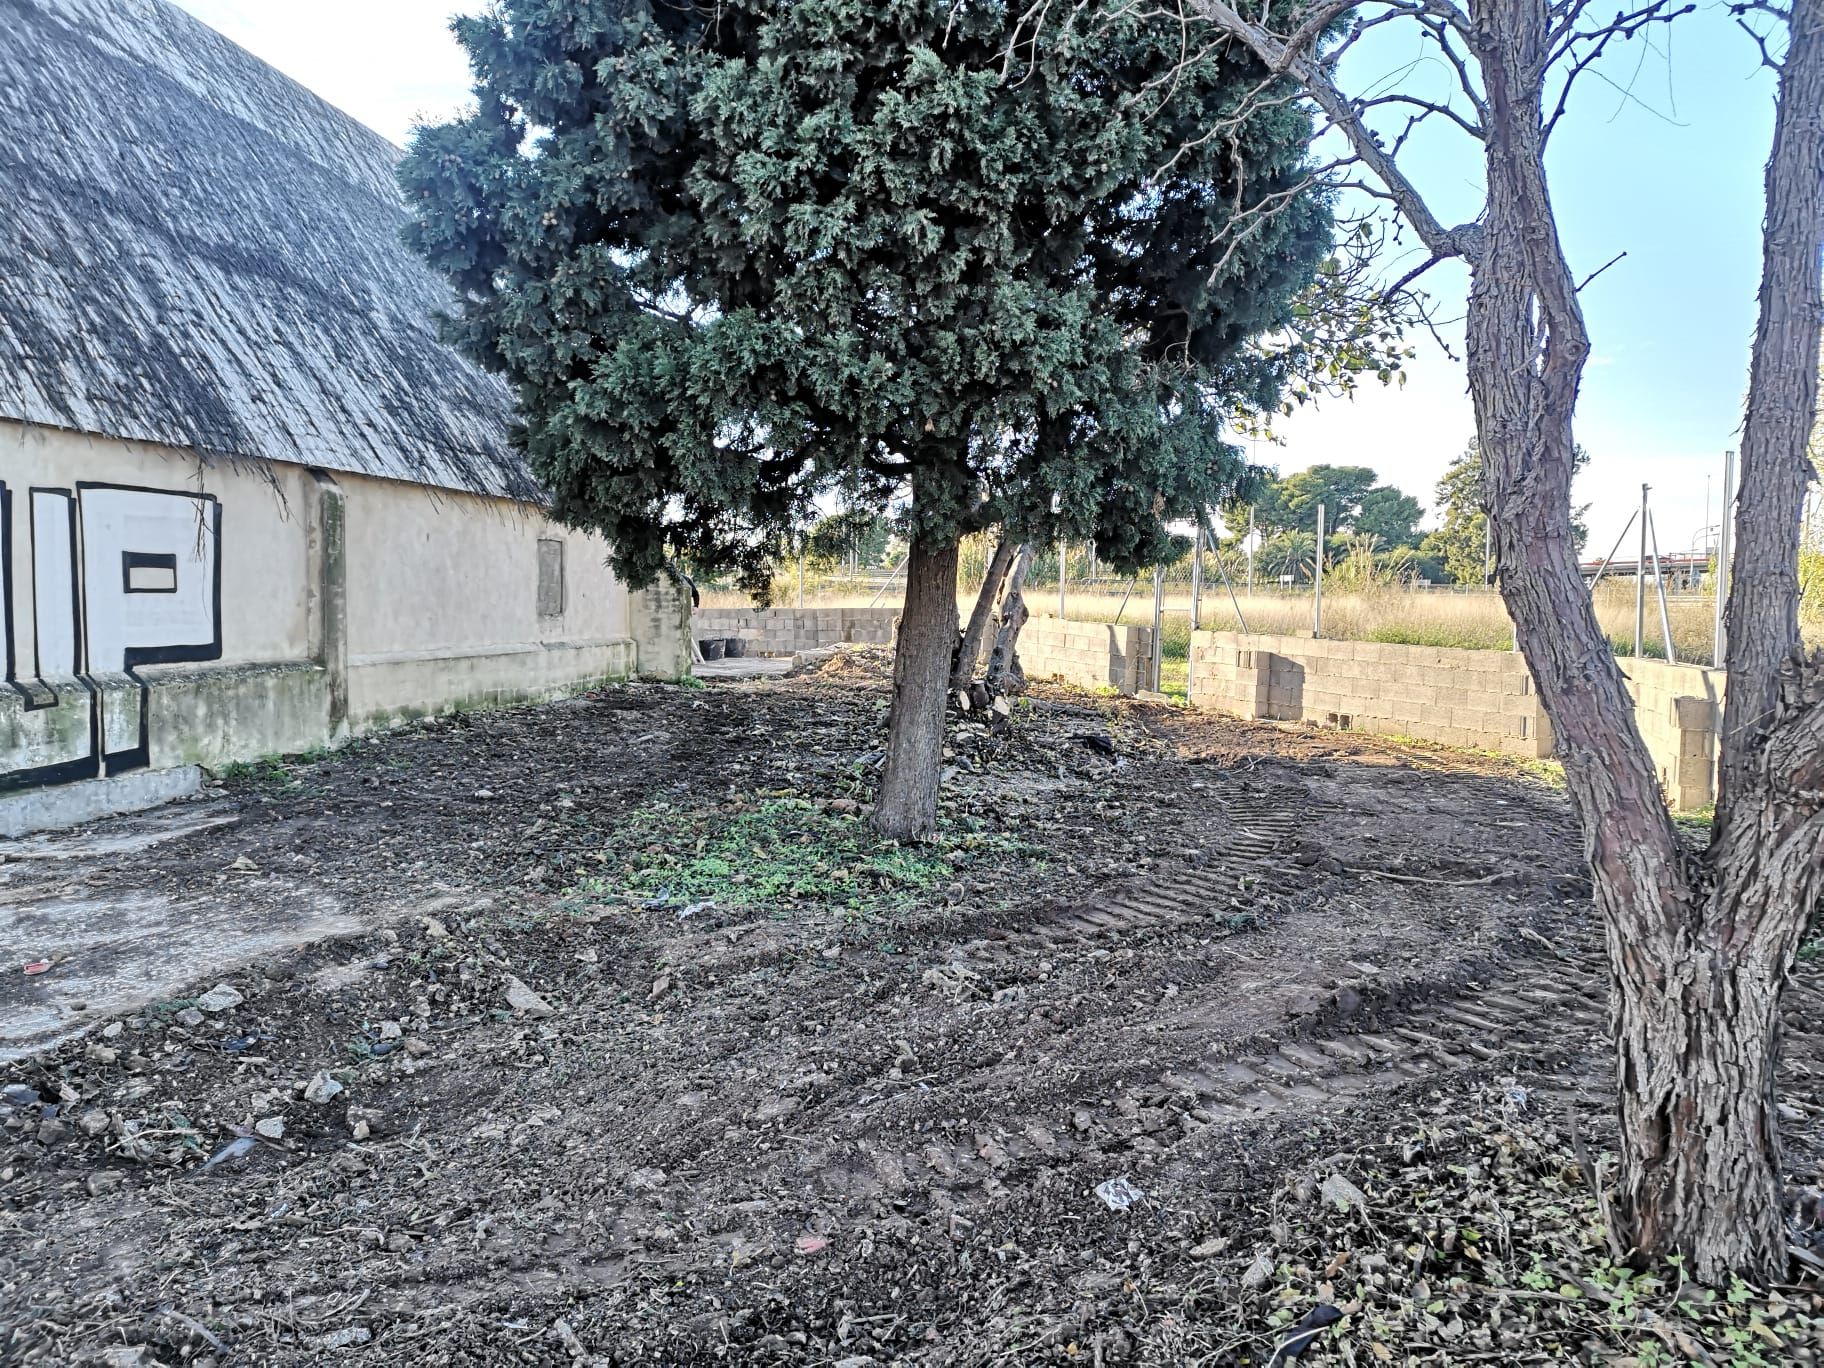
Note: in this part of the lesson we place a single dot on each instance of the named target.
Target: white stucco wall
(265, 593)
(443, 600)
(342, 604)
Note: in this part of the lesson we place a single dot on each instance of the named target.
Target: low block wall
(1093, 655)
(1680, 710)
(786, 631)
(1484, 700)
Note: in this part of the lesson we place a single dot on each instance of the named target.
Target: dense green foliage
(1459, 542)
(1353, 500)
(735, 257)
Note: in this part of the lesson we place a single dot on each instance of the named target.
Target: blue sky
(1671, 175)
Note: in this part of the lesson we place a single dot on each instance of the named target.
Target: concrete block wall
(1483, 700)
(786, 631)
(1093, 655)
(1679, 709)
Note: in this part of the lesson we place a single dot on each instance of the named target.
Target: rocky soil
(647, 1053)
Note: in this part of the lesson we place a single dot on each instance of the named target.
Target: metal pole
(1665, 616)
(1612, 550)
(1197, 575)
(1233, 602)
(801, 575)
(1640, 579)
(1126, 595)
(1063, 550)
(1724, 549)
(1317, 579)
(1158, 623)
(1250, 549)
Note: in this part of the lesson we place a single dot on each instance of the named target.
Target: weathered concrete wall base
(787, 631)
(63, 805)
(388, 690)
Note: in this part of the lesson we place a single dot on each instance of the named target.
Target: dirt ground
(601, 1033)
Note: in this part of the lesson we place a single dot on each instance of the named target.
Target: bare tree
(1700, 941)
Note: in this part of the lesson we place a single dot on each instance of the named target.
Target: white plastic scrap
(1118, 1194)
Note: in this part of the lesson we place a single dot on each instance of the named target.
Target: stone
(220, 998)
(270, 1127)
(93, 1123)
(104, 1180)
(321, 1089)
(416, 1048)
(18, 1095)
(189, 1018)
(1339, 1191)
(1259, 1273)
(52, 1131)
(522, 999)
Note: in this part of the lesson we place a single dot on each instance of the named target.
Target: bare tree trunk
(1698, 947)
(969, 654)
(1004, 673)
(906, 807)
(1699, 943)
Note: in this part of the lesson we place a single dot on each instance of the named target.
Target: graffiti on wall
(119, 577)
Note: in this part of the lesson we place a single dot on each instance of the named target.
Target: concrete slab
(117, 951)
(66, 805)
(746, 667)
(122, 836)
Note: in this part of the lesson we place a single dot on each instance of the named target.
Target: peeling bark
(969, 653)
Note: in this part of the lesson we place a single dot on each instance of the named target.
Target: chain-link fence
(1274, 592)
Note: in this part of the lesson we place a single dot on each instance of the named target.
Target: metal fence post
(1063, 552)
(1640, 580)
(1317, 579)
(1724, 549)
(1158, 625)
(1197, 573)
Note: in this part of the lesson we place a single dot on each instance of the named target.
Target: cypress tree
(733, 257)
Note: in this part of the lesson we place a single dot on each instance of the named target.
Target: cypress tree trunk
(906, 808)
(969, 654)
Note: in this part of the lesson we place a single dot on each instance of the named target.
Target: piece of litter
(1118, 1194)
(220, 998)
(696, 907)
(234, 1149)
(37, 966)
(810, 1244)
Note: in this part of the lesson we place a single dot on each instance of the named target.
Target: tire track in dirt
(1230, 881)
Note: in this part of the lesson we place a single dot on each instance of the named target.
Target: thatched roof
(195, 250)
